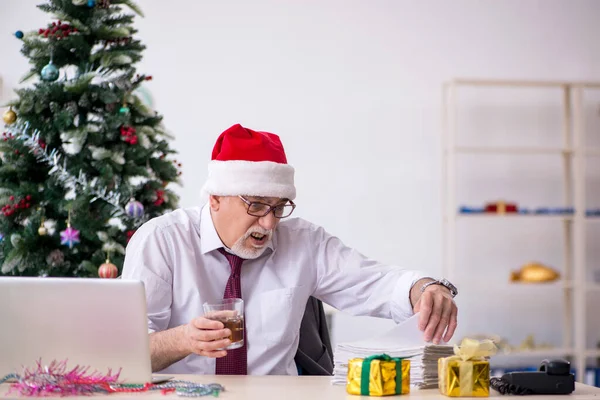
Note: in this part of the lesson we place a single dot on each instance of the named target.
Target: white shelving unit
(573, 153)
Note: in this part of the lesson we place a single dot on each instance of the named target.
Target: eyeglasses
(258, 209)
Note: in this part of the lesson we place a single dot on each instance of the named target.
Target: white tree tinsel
(70, 182)
(9, 265)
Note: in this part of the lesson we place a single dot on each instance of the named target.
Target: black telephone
(553, 377)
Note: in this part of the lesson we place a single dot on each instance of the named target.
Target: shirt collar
(209, 238)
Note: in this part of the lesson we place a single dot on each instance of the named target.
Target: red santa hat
(250, 163)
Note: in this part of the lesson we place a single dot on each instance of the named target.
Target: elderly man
(241, 244)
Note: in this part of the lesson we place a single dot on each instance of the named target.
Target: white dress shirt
(176, 257)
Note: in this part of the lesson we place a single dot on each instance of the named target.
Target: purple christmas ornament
(69, 237)
(134, 209)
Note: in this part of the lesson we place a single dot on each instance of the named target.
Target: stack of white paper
(406, 341)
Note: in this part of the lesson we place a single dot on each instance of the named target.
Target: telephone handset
(552, 377)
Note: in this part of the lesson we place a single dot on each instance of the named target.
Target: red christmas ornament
(108, 270)
(57, 30)
(9, 209)
(146, 78)
(160, 194)
(118, 41)
(128, 134)
(178, 164)
(130, 234)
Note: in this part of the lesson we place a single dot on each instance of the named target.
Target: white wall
(354, 90)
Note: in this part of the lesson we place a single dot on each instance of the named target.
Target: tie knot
(234, 261)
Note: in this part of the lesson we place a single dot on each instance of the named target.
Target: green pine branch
(78, 119)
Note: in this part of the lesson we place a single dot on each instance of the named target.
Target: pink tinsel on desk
(55, 379)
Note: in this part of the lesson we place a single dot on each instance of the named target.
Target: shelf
(547, 352)
(572, 154)
(593, 151)
(523, 83)
(512, 150)
(592, 353)
(524, 150)
(481, 215)
(592, 287)
(537, 352)
(514, 216)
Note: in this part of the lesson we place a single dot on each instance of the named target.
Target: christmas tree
(84, 160)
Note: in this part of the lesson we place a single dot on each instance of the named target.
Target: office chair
(314, 355)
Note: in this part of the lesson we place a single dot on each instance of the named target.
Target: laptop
(95, 323)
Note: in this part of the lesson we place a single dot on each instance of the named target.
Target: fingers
(438, 314)
(205, 323)
(208, 338)
(446, 305)
(435, 314)
(452, 324)
(221, 314)
(205, 335)
(213, 354)
(425, 307)
(211, 349)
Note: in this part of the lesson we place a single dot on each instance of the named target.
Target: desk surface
(301, 387)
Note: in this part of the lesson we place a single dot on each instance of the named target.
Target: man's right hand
(204, 337)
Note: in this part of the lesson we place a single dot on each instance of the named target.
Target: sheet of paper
(405, 336)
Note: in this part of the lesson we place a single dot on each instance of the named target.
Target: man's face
(246, 235)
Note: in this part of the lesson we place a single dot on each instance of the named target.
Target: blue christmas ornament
(19, 34)
(91, 3)
(50, 72)
(134, 209)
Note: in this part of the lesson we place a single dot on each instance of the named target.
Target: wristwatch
(443, 282)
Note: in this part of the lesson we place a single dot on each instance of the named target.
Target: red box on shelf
(501, 207)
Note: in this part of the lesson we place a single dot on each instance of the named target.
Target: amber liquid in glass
(236, 326)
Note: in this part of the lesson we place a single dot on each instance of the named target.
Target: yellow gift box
(467, 373)
(378, 375)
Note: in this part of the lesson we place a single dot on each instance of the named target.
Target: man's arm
(167, 347)
(201, 336)
(358, 285)
(150, 260)
(349, 281)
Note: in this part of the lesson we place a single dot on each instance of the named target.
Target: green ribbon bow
(365, 372)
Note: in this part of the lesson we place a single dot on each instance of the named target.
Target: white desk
(303, 387)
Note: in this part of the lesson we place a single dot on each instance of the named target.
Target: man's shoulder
(172, 221)
(298, 225)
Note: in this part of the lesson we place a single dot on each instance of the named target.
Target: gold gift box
(459, 378)
(383, 376)
(467, 373)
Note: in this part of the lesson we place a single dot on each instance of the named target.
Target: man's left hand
(438, 312)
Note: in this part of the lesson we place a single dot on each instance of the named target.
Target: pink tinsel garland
(55, 379)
